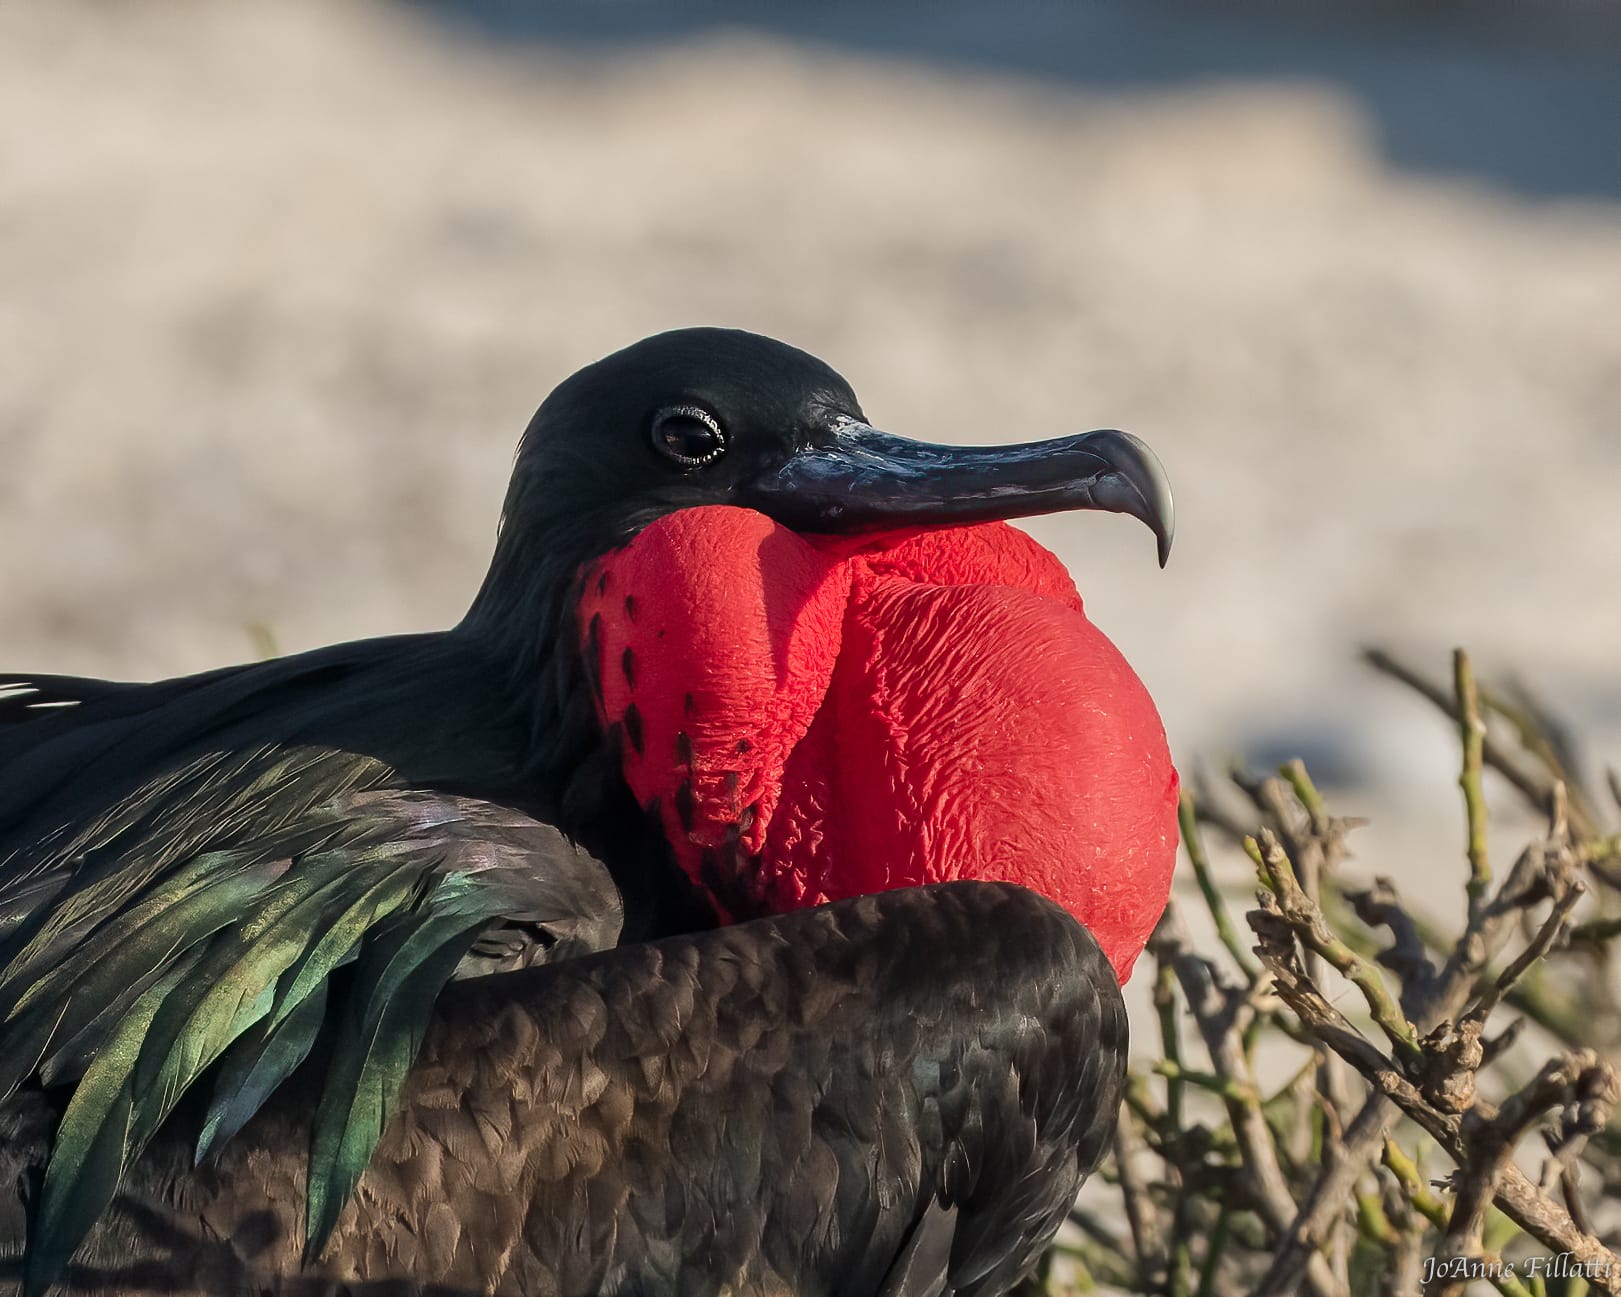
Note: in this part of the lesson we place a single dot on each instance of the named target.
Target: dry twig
(1311, 1189)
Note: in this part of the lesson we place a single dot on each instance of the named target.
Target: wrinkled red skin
(883, 711)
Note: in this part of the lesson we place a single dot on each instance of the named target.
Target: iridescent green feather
(257, 1062)
(232, 988)
(402, 970)
(263, 929)
(191, 930)
(91, 992)
(91, 1147)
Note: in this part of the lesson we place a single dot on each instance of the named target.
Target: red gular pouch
(820, 717)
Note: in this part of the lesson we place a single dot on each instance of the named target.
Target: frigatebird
(735, 901)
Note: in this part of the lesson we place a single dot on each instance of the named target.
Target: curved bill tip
(1136, 483)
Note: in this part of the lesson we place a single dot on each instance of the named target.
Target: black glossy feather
(922, 1268)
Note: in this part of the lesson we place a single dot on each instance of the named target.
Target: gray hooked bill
(866, 480)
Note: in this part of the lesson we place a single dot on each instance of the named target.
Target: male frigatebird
(395, 966)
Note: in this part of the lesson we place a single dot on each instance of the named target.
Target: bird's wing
(194, 925)
(29, 697)
(924, 1264)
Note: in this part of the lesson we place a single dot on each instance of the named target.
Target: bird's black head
(680, 419)
(719, 416)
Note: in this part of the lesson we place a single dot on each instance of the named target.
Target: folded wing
(200, 920)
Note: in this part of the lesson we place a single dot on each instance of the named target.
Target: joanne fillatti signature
(1562, 1265)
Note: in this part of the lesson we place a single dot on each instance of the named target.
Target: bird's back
(428, 705)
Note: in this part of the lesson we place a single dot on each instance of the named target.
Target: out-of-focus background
(280, 284)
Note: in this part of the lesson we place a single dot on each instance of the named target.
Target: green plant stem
(1429, 1206)
(1472, 730)
(1193, 841)
(1219, 1234)
(1311, 801)
(1225, 1087)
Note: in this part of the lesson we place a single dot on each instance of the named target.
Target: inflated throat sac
(813, 718)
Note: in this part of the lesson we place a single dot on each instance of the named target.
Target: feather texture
(255, 1064)
(197, 921)
(403, 967)
(803, 1103)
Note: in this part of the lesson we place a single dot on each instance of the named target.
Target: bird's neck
(525, 621)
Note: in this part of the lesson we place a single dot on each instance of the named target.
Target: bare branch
(1473, 731)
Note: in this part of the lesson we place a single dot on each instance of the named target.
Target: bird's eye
(689, 435)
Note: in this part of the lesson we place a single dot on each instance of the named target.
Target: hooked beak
(865, 480)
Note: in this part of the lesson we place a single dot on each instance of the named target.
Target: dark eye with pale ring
(688, 435)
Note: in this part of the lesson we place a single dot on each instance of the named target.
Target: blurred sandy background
(280, 284)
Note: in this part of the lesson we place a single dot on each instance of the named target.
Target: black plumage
(230, 905)
(779, 1106)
